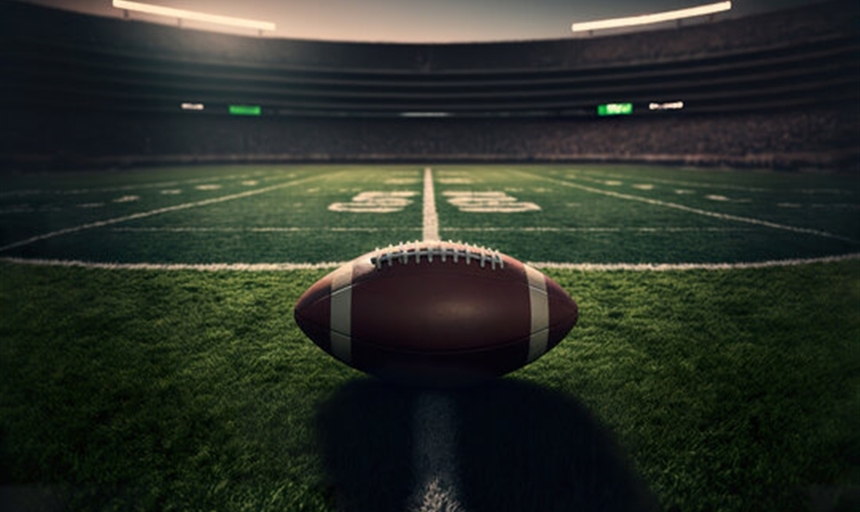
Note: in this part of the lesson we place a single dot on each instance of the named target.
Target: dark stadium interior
(777, 90)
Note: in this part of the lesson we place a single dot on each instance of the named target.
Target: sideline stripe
(150, 213)
(717, 215)
(435, 455)
(431, 219)
(288, 267)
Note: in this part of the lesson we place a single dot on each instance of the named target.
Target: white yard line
(431, 219)
(549, 229)
(263, 229)
(697, 211)
(288, 266)
(435, 462)
(150, 213)
(663, 267)
(203, 267)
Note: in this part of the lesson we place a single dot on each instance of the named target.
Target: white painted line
(266, 229)
(706, 213)
(549, 229)
(431, 219)
(663, 267)
(202, 267)
(289, 267)
(142, 215)
(435, 462)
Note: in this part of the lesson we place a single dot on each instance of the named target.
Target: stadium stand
(774, 90)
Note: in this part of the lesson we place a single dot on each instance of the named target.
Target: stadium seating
(780, 90)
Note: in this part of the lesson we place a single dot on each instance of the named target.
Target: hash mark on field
(677, 182)
(208, 186)
(126, 199)
(142, 215)
(724, 199)
(697, 211)
(644, 186)
(118, 188)
(171, 192)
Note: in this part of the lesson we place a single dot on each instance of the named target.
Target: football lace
(404, 252)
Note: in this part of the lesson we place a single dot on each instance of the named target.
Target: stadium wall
(780, 90)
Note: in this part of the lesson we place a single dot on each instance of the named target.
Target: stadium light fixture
(424, 114)
(670, 105)
(182, 14)
(646, 19)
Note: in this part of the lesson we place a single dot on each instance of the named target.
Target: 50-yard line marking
(150, 213)
(431, 219)
(435, 460)
(697, 211)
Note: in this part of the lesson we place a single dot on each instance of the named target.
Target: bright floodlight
(192, 15)
(645, 19)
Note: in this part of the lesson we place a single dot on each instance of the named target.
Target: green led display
(615, 109)
(245, 110)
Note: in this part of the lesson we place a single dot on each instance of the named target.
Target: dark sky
(424, 21)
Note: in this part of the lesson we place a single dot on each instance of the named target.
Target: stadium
(168, 193)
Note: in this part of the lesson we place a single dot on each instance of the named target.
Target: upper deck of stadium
(794, 57)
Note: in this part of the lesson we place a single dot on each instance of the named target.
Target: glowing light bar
(646, 19)
(424, 114)
(245, 110)
(192, 106)
(615, 109)
(672, 105)
(193, 15)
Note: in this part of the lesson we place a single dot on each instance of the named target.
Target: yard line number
(465, 201)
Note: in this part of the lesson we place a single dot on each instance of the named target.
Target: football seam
(401, 253)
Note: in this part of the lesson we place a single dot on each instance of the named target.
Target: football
(436, 313)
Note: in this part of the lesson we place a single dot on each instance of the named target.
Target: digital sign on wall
(615, 109)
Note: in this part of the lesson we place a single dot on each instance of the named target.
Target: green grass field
(149, 360)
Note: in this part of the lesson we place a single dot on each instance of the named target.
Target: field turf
(149, 361)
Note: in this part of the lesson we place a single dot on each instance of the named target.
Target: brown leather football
(436, 313)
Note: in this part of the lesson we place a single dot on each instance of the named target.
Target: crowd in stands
(810, 133)
(824, 136)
